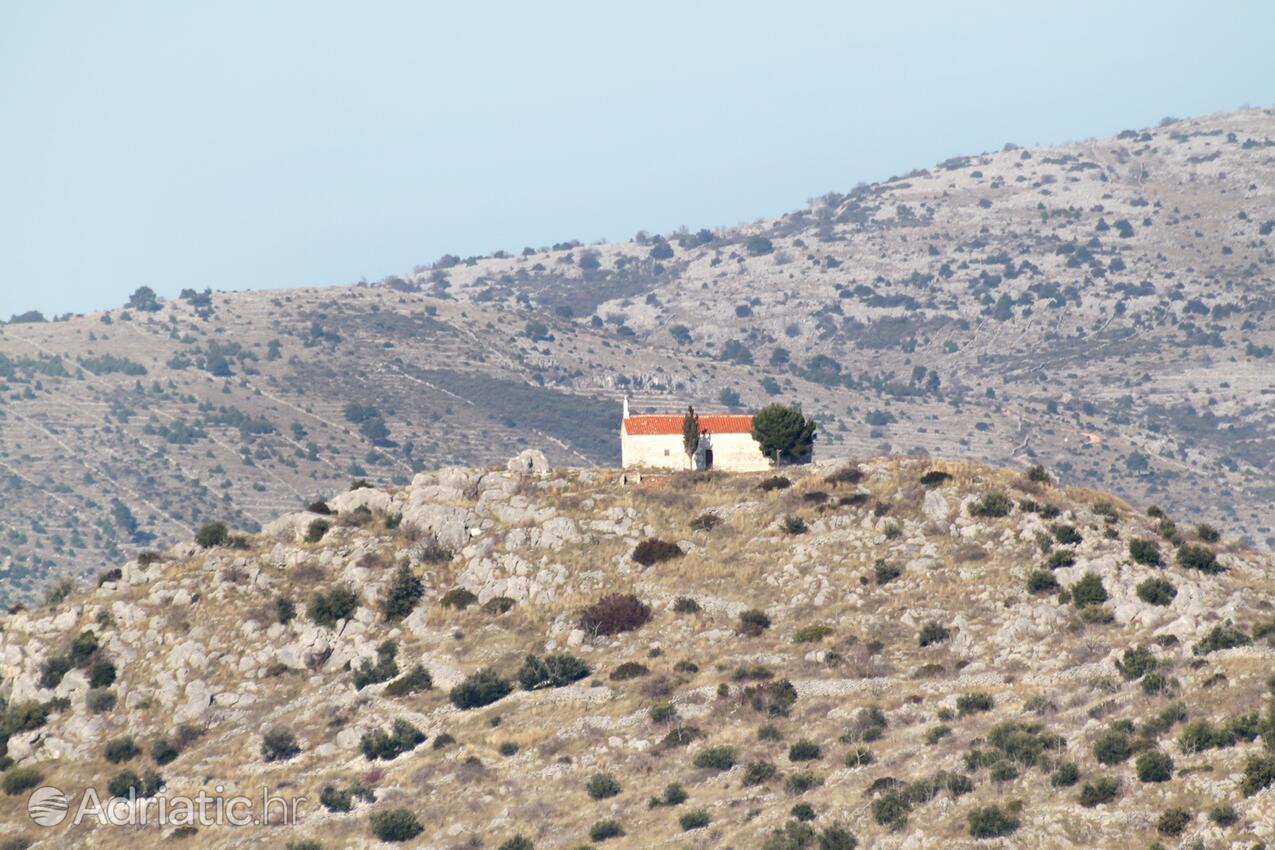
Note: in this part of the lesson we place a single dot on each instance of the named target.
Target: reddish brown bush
(618, 612)
(653, 550)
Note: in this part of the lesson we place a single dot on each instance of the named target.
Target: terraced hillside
(1103, 308)
(902, 653)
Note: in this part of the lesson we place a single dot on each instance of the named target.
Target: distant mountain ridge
(1103, 308)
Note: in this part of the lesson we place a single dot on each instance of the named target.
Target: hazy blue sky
(238, 145)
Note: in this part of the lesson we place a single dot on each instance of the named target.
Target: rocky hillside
(1102, 307)
(899, 653)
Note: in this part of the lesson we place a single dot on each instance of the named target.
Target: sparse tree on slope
(784, 432)
(690, 433)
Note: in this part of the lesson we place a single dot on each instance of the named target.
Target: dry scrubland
(876, 653)
(1102, 307)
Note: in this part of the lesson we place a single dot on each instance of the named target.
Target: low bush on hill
(553, 671)
(328, 607)
(380, 744)
(384, 669)
(653, 550)
(1156, 591)
(601, 786)
(618, 612)
(278, 744)
(991, 822)
(1145, 552)
(480, 689)
(459, 598)
(395, 825)
(992, 505)
(413, 681)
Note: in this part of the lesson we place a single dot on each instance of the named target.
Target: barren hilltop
(898, 653)
(1102, 308)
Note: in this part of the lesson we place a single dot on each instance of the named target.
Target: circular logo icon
(47, 806)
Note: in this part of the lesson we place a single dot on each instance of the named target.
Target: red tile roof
(717, 423)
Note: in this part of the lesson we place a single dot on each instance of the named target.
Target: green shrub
(19, 779)
(415, 680)
(662, 712)
(694, 819)
(715, 758)
(1173, 822)
(601, 786)
(99, 700)
(458, 598)
(1144, 551)
(1259, 773)
(674, 795)
(775, 698)
(1154, 766)
(758, 772)
(212, 534)
(629, 670)
(278, 744)
(1224, 815)
(518, 842)
(395, 825)
(754, 620)
(973, 703)
(837, 837)
(1112, 747)
(884, 572)
(101, 674)
(937, 733)
(326, 608)
(653, 550)
(1221, 636)
(1136, 662)
(1099, 792)
(385, 668)
(1202, 735)
(121, 749)
(127, 783)
(604, 829)
(891, 810)
(1041, 581)
(53, 669)
(992, 505)
(614, 614)
(1059, 559)
(1066, 534)
(812, 633)
(1088, 591)
(479, 689)
(1207, 533)
(1156, 591)
(402, 737)
(859, 757)
(775, 482)
(402, 595)
(164, 751)
(554, 671)
(793, 524)
(802, 781)
(933, 632)
(1200, 558)
(991, 822)
(1065, 775)
(686, 605)
(804, 750)
(285, 610)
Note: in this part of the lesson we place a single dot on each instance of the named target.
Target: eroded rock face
(529, 461)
